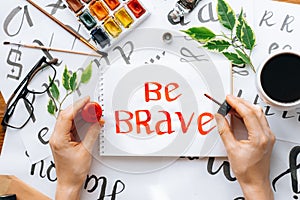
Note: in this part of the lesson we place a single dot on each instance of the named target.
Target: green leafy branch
(70, 83)
(238, 46)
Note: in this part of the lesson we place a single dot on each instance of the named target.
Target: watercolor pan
(75, 5)
(98, 9)
(112, 4)
(123, 17)
(87, 19)
(100, 37)
(112, 27)
(136, 8)
(107, 21)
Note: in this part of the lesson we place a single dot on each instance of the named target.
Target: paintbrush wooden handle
(71, 31)
(51, 49)
(54, 19)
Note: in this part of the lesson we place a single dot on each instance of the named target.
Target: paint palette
(108, 20)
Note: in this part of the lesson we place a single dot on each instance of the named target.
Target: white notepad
(143, 120)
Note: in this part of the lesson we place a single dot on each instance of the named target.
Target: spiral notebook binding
(101, 100)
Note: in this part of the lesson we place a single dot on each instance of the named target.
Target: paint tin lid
(8, 197)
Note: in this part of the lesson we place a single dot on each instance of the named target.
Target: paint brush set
(108, 20)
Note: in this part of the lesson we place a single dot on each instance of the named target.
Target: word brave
(164, 125)
(202, 120)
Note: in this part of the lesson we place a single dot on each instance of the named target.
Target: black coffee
(280, 78)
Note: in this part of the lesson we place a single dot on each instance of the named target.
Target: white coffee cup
(278, 80)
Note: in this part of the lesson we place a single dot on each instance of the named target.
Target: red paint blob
(91, 112)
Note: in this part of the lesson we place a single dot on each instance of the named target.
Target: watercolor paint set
(108, 20)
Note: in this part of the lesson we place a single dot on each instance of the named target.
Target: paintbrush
(71, 31)
(225, 108)
(209, 97)
(50, 49)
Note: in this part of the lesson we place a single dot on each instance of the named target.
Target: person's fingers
(264, 122)
(66, 117)
(239, 105)
(224, 131)
(65, 121)
(70, 112)
(249, 115)
(91, 136)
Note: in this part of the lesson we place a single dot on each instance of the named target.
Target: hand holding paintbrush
(225, 108)
(249, 157)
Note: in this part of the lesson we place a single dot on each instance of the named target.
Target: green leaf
(201, 34)
(243, 56)
(51, 107)
(217, 45)
(226, 15)
(73, 81)
(54, 89)
(247, 36)
(234, 58)
(86, 74)
(66, 78)
(239, 26)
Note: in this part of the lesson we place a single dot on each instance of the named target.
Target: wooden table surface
(2, 109)
(291, 1)
(3, 105)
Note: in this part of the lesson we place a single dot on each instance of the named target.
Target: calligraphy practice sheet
(276, 28)
(26, 152)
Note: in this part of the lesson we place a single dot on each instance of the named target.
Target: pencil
(71, 31)
(50, 49)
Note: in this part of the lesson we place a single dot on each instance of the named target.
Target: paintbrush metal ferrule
(71, 31)
(224, 107)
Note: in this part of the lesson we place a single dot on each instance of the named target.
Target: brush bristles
(104, 54)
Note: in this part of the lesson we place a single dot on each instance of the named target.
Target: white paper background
(184, 179)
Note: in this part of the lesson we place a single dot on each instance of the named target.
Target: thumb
(91, 136)
(224, 131)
